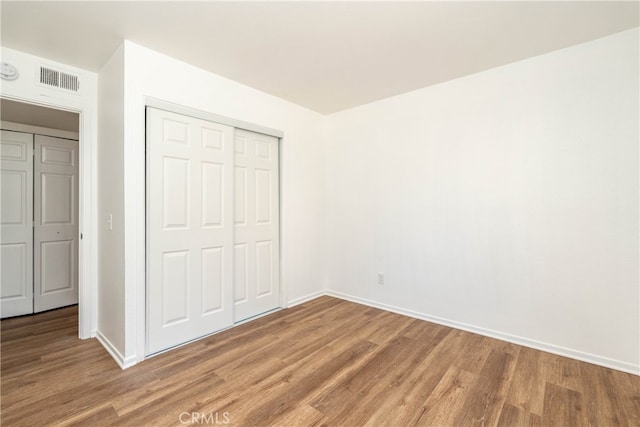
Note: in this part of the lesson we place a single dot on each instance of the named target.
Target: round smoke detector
(8, 71)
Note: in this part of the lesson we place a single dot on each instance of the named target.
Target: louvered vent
(59, 79)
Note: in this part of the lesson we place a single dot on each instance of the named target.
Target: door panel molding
(189, 242)
(16, 223)
(55, 232)
(257, 224)
(212, 212)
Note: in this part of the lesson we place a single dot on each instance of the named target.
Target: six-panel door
(55, 234)
(189, 228)
(256, 211)
(16, 223)
(212, 227)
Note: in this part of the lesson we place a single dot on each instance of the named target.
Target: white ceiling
(326, 56)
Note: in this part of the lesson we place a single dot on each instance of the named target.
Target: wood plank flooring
(327, 362)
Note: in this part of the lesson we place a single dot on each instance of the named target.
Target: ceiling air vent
(59, 79)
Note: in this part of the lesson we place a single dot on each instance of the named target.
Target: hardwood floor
(326, 362)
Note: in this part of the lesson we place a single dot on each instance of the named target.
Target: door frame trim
(38, 130)
(87, 214)
(211, 117)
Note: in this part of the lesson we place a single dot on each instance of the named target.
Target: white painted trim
(266, 313)
(38, 130)
(87, 226)
(306, 298)
(251, 319)
(135, 130)
(526, 342)
(211, 117)
(281, 213)
(113, 351)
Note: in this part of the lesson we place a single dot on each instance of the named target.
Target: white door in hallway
(55, 233)
(256, 210)
(189, 228)
(16, 223)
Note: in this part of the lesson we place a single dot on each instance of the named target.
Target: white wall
(505, 202)
(149, 74)
(111, 201)
(26, 89)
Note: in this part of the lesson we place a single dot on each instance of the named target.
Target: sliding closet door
(189, 228)
(256, 240)
(55, 234)
(16, 223)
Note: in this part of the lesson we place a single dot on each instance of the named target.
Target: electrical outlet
(380, 278)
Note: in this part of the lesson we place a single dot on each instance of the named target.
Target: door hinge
(80, 236)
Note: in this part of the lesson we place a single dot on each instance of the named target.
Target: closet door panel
(189, 228)
(55, 223)
(256, 193)
(16, 223)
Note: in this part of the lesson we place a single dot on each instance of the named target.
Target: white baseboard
(305, 298)
(123, 362)
(526, 342)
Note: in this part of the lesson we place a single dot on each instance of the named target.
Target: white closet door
(256, 240)
(189, 228)
(55, 233)
(16, 223)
